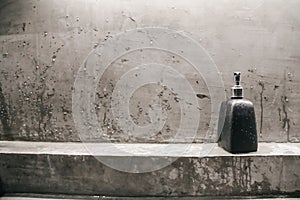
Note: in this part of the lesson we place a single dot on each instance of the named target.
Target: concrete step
(71, 169)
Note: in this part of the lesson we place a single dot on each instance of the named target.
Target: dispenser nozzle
(237, 78)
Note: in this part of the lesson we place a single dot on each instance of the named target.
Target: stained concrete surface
(43, 44)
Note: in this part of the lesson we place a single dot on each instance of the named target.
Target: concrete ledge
(107, 149)
(68, 168)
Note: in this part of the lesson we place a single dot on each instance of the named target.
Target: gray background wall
(43, 44)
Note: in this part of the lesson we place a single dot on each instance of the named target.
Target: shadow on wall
(9, 10)
(1, 188)
(4, 115)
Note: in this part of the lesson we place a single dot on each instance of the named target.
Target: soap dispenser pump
(237, 125)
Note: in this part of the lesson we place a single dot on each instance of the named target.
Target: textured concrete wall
(43, 44)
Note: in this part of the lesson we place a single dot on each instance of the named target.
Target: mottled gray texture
(43, 43)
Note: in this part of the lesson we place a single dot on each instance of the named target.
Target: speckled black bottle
(237, 124)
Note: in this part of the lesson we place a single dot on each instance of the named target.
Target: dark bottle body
(237, 126)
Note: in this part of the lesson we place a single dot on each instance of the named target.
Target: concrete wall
(43, 44)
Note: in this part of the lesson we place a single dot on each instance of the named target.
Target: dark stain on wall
(263, 185)
(1, 188)
(202, 96)
(286, 120)
(24, 27)
(4, 114)
(261, 106)
(284, 101)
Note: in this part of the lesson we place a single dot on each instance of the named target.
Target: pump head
(237, 89)
(237, 77)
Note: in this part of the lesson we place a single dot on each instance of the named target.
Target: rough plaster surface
(43, 43)
(63, 168)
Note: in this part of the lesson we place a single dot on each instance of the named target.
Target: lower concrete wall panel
(217, 174)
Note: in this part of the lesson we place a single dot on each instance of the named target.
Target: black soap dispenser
(237, 124)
